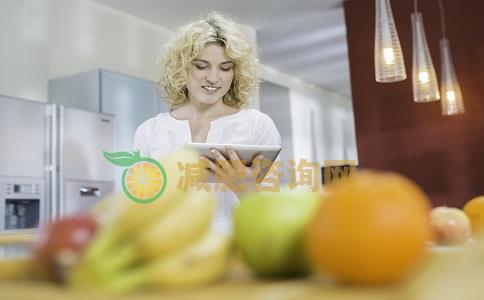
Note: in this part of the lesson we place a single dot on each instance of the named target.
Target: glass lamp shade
(389, 64)
(452, 102)
(424, 79)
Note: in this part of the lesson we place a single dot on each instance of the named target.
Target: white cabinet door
(132, 101)
(275, 102)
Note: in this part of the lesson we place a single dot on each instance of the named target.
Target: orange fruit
(474, 209)
(372, 228)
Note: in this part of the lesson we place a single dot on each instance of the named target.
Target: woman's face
(210, 75)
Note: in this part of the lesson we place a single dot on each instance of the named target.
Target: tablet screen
(245, 152)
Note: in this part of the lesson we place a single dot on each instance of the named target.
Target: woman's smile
(210, 89)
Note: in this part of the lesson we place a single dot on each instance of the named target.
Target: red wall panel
(444, 155)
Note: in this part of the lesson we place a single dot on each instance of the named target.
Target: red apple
(450, 226)
(60, 245)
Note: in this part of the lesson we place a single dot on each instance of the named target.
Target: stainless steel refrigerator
(131, 100)
(51, 162)
(24, 156)
(84, 176)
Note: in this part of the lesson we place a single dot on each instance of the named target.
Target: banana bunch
(166, 243)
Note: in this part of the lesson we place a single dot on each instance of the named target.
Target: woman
(208, 73)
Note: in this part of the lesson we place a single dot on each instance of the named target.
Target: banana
(179, 228)
(165, 243)
(133, 217)
(201, 263)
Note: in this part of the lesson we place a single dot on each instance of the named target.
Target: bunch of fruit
(166, 243)
(369, 228)
(172, 246)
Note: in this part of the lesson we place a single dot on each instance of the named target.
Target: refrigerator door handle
(89, 191)
(53, 166)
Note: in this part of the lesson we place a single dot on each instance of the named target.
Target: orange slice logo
(143, 180)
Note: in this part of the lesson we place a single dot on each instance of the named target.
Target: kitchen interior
(78, 77)
(86, 79)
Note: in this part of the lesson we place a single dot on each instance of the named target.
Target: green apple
(269, 229)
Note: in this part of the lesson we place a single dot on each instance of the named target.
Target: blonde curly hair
(187, 45)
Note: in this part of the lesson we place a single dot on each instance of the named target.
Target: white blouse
(163, 134)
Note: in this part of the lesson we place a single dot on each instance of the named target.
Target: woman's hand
(233, 172)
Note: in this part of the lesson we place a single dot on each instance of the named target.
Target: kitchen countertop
(239, 285)
(17, 238)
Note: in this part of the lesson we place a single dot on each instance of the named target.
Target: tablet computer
(245, 152)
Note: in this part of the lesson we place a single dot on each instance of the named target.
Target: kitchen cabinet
(130, 100)
(275, 102)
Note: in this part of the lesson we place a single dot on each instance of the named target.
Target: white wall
(44, 39)
(24, 66)
(86, 35)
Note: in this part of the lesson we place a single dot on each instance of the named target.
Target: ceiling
(304, 38)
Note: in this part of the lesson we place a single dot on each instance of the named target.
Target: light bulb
(450, 96)
(389, 64)
(423, 77)
(389, 56)
(424, 80)
(452, 102)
